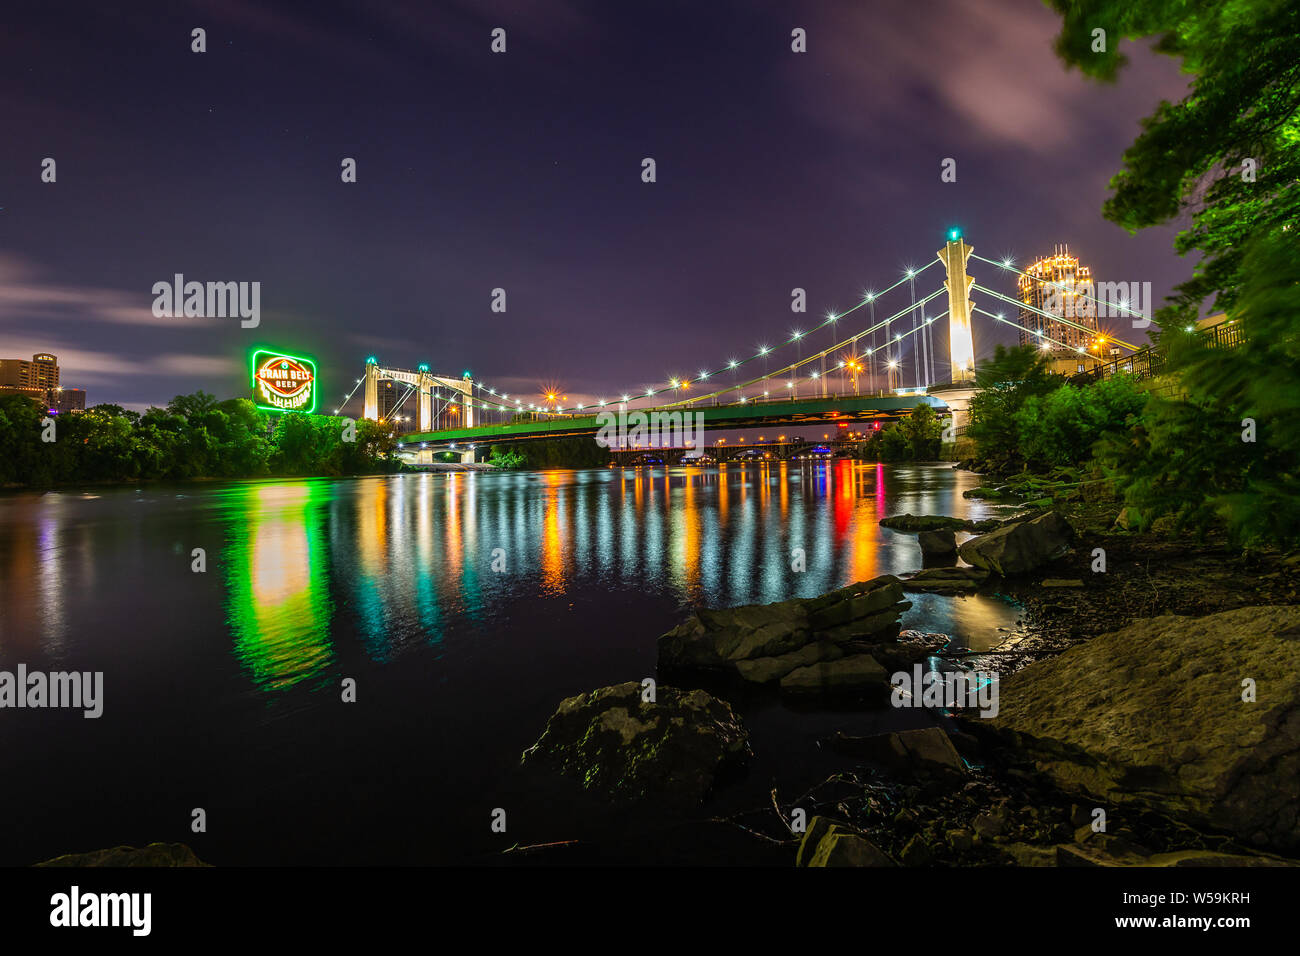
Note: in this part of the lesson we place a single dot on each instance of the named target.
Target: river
(464, 606)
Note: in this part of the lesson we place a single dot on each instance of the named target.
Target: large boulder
(762, 643)
(1153, 715)
(1021, 547)
(937, 544)
(631, 750)
(833, 844)
(926, 749)
(155, 854)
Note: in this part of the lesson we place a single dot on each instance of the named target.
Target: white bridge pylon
(424, 382)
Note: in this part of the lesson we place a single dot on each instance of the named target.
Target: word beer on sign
(283, 382)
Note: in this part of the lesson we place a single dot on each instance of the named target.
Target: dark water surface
(222, 688)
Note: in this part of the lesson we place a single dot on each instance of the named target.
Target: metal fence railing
(1150, 361)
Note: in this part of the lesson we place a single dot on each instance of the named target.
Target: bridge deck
(793, 412)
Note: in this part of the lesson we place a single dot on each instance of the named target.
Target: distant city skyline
(521, 171)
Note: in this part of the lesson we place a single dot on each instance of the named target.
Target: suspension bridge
(879, 365)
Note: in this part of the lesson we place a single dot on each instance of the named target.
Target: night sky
(523, 171)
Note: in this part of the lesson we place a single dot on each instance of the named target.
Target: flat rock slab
(856, 675)
(911, 522)
(762, 643)
(1153, 715)
(946, 579)
(630, 750)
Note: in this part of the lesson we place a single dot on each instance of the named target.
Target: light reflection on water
(230, 678)
(409, 559)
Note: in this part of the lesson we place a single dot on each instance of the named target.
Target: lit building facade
(389, 393)
(1058, 284)
(39, 380)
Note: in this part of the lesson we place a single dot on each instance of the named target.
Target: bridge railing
(1150, 361)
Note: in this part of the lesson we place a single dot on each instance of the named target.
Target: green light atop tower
(372, 361)
(954, 234)
(422, 368)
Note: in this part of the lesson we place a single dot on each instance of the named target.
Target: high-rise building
(1059, 285)
(39, 381)
(390, 393)
(69, 401)
(41, 372)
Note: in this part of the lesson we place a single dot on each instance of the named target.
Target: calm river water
(464, 606)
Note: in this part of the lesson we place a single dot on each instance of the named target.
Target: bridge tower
(954, 256)
(370, 408)
(424, 383)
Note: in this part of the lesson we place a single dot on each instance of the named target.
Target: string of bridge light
(1047, 339)
(852, 340)
(762, 353)
(775, 373)
(348, 397)
(1006, 264)
(1054, 317)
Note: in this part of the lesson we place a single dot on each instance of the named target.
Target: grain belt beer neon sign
(283, 382)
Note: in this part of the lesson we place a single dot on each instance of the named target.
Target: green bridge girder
(794, 412)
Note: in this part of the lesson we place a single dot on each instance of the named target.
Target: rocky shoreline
(1148, 716)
